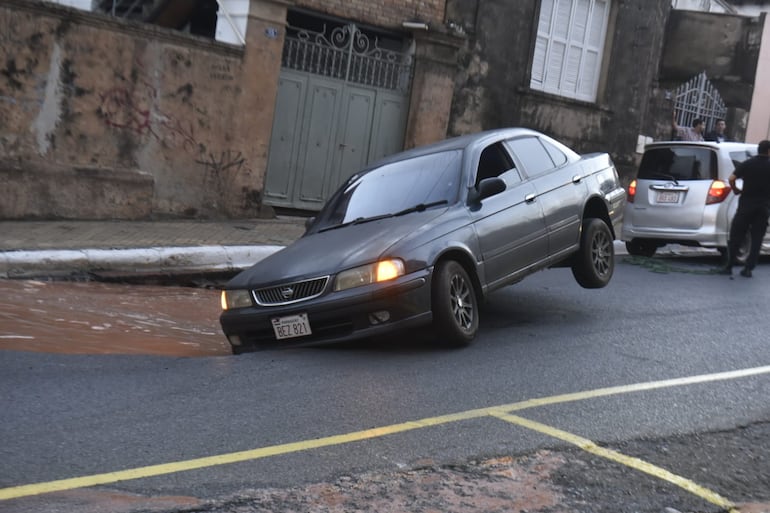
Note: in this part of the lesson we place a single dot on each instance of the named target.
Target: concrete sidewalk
(70, 248)
(30, 249)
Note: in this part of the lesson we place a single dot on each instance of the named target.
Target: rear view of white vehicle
(681, 196)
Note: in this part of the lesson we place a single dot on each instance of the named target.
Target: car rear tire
(454, 304)
(637, 247)
(594, 262)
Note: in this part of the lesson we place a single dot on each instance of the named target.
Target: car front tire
(594, 262)
(454, 304)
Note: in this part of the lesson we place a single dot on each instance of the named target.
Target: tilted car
(423, 236)
(681, 196)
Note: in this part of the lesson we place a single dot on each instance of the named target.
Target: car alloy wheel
(455, 312)
(594, 261)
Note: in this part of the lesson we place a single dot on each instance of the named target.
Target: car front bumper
(336, 316)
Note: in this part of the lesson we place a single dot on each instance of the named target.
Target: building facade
(108, 118)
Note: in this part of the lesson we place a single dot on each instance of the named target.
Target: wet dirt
(109, 318)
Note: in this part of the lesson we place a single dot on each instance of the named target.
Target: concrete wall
(82, 90)
(493, 90)
(102, 118)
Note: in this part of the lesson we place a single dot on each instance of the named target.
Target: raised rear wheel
(454, 304)
(594, 261)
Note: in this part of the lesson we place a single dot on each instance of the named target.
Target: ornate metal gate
(342, 102)
(698, 99)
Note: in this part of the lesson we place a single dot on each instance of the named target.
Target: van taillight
(717, 192)
(631, 191)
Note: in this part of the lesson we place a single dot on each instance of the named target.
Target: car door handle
(576, 179)
(529, 198)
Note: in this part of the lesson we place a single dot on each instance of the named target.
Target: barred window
(568, 51)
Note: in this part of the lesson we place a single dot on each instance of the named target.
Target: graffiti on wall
(133, 106)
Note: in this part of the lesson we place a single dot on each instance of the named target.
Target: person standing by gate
(753, 208)
(684, 133)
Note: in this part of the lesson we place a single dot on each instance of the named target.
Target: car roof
(463, 142)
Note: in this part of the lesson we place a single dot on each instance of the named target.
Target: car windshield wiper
(357, 220)
(420, 207)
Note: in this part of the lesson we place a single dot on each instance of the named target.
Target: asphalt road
(669, 364)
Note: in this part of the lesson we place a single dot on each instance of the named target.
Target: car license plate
(668, 197)
(291, 326)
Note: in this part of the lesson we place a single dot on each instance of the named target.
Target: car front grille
(289, 293)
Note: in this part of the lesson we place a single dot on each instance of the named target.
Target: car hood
(328, 252)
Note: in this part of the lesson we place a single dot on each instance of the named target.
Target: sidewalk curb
(181, 260)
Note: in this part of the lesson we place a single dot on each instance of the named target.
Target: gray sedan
(421, 237)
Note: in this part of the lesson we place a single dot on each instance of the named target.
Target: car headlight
(383, 270)
(235, 299)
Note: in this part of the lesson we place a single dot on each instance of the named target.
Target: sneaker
(746, 272)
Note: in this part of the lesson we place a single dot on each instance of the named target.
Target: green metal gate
(342, 102)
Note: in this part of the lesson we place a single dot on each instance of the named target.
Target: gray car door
(509, 225)
(560, 189)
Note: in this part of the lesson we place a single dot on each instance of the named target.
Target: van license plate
(291, 326)
(668, 197)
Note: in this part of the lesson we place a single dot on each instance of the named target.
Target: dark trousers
(752, 219)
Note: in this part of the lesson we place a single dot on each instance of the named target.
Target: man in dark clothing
(753, 207)
(718, 134)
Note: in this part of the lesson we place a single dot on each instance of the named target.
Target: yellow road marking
(275, 450)
(629, 461)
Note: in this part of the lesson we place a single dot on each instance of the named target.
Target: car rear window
(679, 164)
(739, 156)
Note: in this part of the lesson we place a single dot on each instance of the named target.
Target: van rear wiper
(666, 177)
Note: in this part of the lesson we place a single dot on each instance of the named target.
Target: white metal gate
(342, 102)
(698, 99)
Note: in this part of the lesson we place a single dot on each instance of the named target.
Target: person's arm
(676, 129)
(732, 179)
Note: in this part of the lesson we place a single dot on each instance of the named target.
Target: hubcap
(462, 302)
(601, 253)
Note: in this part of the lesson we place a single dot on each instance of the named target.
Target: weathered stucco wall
(493, 90)
(80, 90)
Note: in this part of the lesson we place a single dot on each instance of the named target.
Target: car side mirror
(308, 222)
(486, 188)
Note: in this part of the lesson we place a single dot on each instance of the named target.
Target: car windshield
(678, 164)
(395, 188)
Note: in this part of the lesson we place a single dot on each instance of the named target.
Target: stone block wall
(389, 14)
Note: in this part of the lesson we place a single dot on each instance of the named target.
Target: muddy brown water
(108, 318)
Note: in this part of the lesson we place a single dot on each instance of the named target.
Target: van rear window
(679, 164)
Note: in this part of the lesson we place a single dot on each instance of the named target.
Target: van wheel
(455, 309)
(594, 261)
(640, 247)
